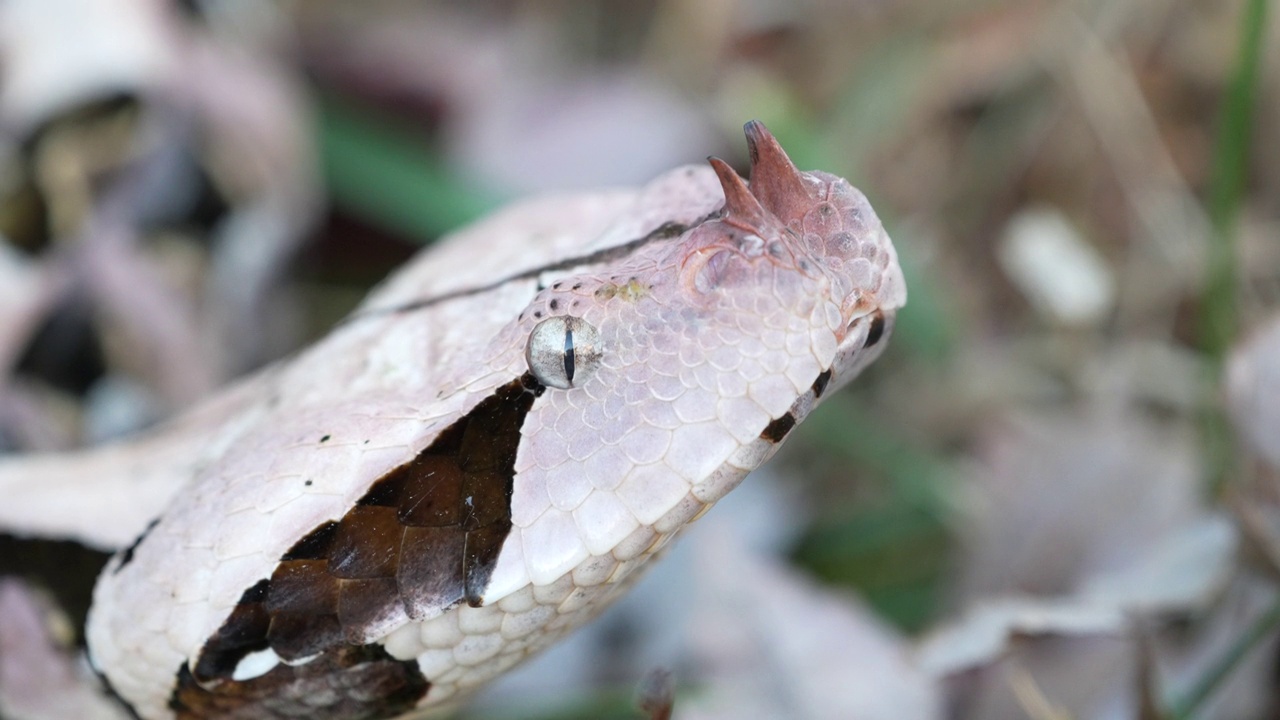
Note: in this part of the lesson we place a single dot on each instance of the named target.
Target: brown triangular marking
(424, 538)
(776, 430)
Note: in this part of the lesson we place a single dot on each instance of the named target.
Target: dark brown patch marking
(820, 385)
(350, 682)
(775, 431)
(424, 537)
(314, 544)
(244, 632)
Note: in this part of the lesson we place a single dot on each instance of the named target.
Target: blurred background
(1057, 495)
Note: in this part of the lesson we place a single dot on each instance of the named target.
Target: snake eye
(563, 351)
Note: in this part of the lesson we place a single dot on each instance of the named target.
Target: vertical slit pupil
(568, 356)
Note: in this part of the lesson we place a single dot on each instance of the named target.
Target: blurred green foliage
(1219, 306)
(384, 172)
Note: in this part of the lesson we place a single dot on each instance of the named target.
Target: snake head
(818, 233)
(485, 455)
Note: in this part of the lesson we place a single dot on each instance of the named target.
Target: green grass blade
(385, 175)
(1218, 304)
(1218, 312)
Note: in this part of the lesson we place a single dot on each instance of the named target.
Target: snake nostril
(876, 331)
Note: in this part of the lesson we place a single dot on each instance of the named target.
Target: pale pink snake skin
(418, 502)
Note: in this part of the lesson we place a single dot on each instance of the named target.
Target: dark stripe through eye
(568, 355)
